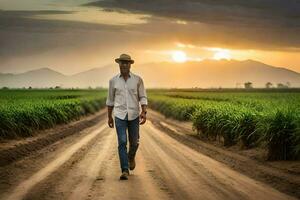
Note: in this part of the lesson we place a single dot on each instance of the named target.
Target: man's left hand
(142, 118)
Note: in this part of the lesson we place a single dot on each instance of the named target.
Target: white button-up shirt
(126, 96)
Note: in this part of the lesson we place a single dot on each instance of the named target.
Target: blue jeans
(133, 135)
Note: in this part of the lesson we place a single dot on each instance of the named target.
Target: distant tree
(248, 85)
(281, 85)
(269, 85)
(29, 87)
(57, 87)
(5, 88)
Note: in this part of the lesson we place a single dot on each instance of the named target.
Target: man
(125, 94)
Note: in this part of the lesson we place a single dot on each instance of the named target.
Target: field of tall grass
(24, 111)
(269, 119)
(258, 118)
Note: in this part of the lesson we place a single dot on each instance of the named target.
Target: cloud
(254, 12)
(262, 24)
(28, 40)
(28, 43)
(22, 35)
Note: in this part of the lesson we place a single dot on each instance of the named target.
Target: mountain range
(203, 74)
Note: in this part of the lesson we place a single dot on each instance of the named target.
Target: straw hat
(124, 57)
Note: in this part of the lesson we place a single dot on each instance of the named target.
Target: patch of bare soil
(13, 150)
(169, 165)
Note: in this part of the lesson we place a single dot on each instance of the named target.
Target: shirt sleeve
(142, 92)
(110, 100)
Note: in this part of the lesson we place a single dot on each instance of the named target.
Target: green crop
(250, 118)
(24, 111)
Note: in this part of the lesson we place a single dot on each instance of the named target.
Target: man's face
(124, 66)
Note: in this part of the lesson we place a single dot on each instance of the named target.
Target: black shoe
(124, 175)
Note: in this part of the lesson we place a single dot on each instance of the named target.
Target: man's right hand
(110, 122)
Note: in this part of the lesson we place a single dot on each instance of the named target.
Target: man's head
(124, 62)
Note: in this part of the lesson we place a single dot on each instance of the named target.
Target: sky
(72, 36)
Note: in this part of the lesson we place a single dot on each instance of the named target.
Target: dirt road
(86, 166)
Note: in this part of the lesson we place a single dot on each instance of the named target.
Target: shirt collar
(130, 74)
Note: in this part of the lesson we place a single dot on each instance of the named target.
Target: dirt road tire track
(283, 180)
(86, 166)
(200, 175)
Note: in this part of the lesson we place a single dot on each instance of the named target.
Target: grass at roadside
(270, 119)
(24, 111)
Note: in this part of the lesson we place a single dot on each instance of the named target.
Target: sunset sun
(179, 56)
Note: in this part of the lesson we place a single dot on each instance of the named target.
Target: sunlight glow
(179, 56)
(222, 54)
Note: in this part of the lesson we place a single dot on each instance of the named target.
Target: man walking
(125, 94)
